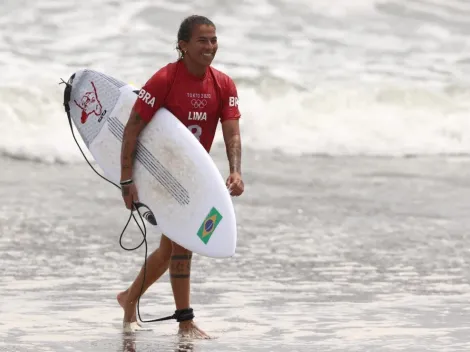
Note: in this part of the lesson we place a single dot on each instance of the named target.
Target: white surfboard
(174, 175)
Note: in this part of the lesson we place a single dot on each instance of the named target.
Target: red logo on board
(90, 104)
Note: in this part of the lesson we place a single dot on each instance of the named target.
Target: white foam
(294, 62)
(335, 120)
(367, 120)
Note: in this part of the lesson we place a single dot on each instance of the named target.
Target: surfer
(199, 96)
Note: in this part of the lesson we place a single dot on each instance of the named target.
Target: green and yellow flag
(209, 225)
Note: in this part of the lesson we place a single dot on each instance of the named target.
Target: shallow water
(336, 254)
(337, 250)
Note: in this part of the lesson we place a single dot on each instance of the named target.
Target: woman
(198, 95)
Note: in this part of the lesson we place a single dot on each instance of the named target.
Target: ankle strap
(184, 314)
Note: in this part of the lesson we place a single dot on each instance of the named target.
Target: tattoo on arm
(128, 153)
(234, 153)
(137, 119)
(129, 144)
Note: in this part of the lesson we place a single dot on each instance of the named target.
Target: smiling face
(202, 46)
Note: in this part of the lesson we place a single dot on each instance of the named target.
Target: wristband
(126, 182)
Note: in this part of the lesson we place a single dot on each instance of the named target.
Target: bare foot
(189, 329)
(129, 308)
(130, 327)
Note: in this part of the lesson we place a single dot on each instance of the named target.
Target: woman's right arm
(133, 128)
(149, 100)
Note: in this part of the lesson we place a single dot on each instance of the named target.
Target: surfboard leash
(179, 315)
(67, 96)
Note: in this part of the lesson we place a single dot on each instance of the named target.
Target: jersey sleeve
(229, 101)
(151, 95)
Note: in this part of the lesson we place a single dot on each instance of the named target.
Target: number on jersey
(196, 130)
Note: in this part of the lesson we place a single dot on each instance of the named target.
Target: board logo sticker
(146, 213)
(209, 225)
(90, 104)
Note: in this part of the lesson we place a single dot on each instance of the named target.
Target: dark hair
(186, 29)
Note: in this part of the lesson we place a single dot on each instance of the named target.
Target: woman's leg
(157, 264)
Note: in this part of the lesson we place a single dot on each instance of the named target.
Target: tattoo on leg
(180, 267)
(179, 276)
(182, 257)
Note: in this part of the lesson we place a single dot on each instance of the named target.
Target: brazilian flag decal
(209, 225)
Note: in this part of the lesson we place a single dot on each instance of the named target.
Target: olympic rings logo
(198, 103)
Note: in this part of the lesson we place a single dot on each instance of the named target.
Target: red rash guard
(198, 102)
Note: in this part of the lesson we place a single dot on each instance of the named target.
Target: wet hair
(186, 29)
